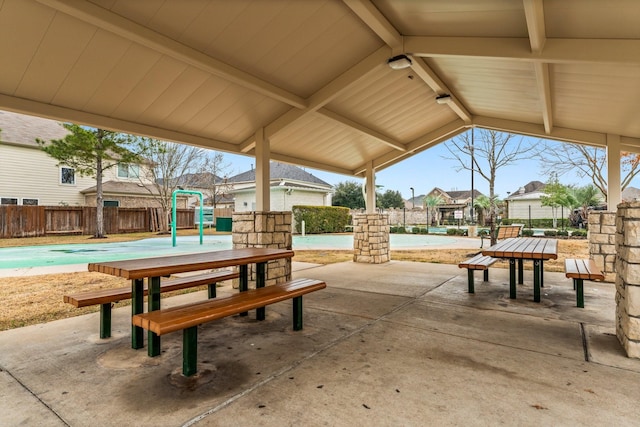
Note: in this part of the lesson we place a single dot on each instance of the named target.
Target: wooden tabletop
(167, 265)
(525, 248)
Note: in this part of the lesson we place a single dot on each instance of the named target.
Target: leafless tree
(212, 177)
(584, 160)
(485, 152)
(168, 161)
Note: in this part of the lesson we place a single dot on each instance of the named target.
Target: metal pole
(473, 221)
(413, 198)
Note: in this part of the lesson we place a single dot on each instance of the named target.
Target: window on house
(67, 176)
(29, 202)
(128, 171)
(111, 203)
(8, 201)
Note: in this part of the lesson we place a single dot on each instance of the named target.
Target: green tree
(390, 199)
(489, 151)
(586, 196)
(482, 204)
(557, 195)
(90, 152)
(348, 194)
(431, 202)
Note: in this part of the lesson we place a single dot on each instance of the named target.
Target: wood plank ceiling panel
(584, 91)
(29, 33)
(396, 103)
(65, 40)
(493, 87)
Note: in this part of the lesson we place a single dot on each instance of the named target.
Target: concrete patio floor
(399, 344)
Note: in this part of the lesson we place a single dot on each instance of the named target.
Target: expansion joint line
(297, 363)
(35, 396)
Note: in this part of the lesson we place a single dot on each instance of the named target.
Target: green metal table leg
(542, 273)
(536, 280)
(470, 277)
(485, 275)
(105, 320)
(512, 278)
(212, 290)
(520, 271)
(261, 278)
(137, 307)
(153, 303)
(578, 285)
(244, 282)
(189, 351)
(297, 313)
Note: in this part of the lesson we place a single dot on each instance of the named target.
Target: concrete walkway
(398, 344)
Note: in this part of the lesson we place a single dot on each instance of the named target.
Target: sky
(430, 169)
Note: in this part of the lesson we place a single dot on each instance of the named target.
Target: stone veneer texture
(371, 238)
(602, 242)
(264, 230)
(628, 277)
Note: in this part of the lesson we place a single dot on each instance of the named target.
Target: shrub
(401, 230)
(321, 219)
(578, 233)
(527, 232)
(424, 231)
(550, 232)
(415, 230)
(563, 233)
(456, 232)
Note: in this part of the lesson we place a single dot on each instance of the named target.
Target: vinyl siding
(30, 173)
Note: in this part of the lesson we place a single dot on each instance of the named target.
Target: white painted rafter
(555, 51)
(362, 129)
(375, 20)
(323, 96)
(534, 13)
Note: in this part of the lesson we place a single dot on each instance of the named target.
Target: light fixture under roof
(399, 62)
(443, 99)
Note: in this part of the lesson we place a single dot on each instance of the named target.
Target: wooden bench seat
(478, 262)
(106, 297)
(188, 317)
(580, 270)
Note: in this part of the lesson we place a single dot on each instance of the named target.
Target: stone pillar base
(371, 238)
(628, 277)
(602, 242)
(264, 230)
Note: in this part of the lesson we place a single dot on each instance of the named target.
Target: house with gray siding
(290, 186)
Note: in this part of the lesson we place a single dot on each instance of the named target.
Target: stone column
(264, 230)
(602, 242)
(371, 238)
(628, 277)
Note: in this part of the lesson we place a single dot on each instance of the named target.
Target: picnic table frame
(153, 269)
(525, 248)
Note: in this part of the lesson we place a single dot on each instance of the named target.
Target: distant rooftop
(280, 171)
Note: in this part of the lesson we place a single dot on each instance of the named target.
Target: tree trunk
(492, 211)
(99, 201)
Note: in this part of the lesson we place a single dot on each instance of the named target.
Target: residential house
(526, 203)
(29, 176)
(290, 186)
(456, 205)
(204, 183)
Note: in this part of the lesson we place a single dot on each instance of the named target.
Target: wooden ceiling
(313, 73)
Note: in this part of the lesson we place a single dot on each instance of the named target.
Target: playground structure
(174, 220)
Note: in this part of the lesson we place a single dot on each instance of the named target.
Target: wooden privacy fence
(34, 221)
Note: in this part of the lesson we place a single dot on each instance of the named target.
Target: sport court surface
(399, 343)
(27, 257)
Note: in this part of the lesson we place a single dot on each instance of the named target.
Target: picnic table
(525, 248)
(153, 269)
